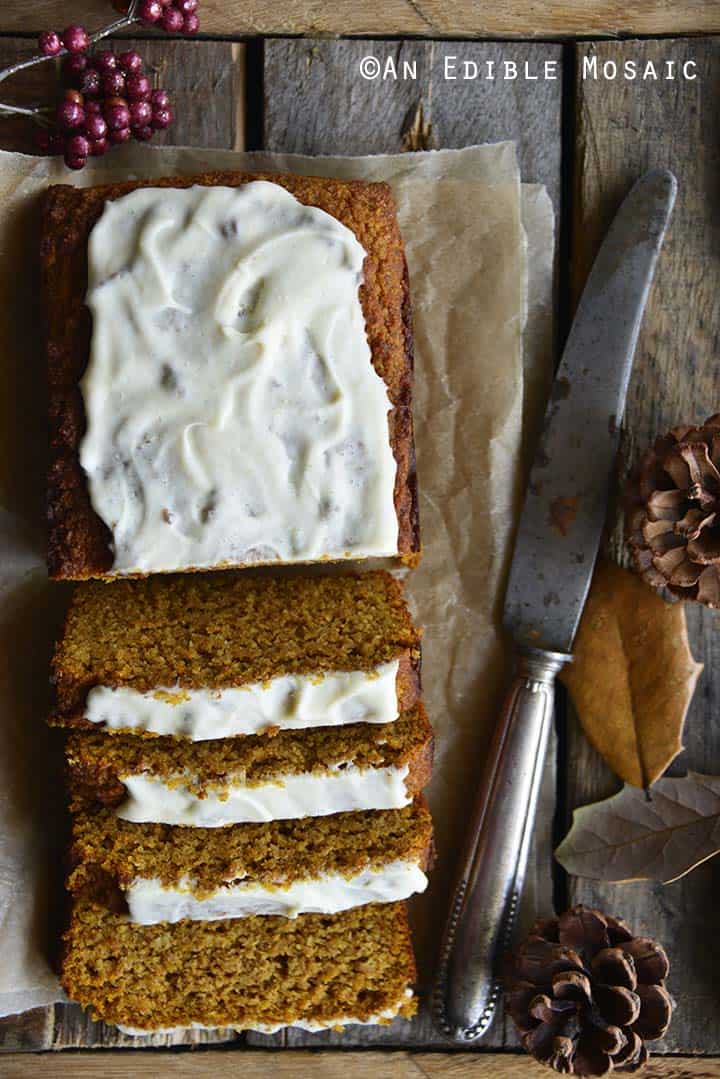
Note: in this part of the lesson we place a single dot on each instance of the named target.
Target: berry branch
(107, 99)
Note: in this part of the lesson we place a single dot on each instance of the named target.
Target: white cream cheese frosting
(289, 702)
(233, 412)
(150, 902)
(309, 794)
(313, 1026)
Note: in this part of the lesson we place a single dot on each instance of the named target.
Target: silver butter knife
(555, 550)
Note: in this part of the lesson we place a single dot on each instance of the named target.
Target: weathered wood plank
(197, 73)
(316, 101)
(288, 1065)
(73, 1029)
(623, 128)
(205, 79)
(206, 82)
(28, 1032)
(492, 110)
(428, 18)
(33, 87)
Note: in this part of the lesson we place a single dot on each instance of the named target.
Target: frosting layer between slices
(290, 702)
(150, 902)
(310, 794)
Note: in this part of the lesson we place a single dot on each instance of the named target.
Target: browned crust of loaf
(107, 854)
(238, 972)
(420, 768)
(402, 438)
(93, 758)
(79, 542)
(367, 613)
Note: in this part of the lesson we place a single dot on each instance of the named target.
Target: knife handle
(490, 879)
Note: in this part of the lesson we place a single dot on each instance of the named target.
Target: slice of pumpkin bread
(162, 873)
(257, 778)
(259, 973)
(204, 657)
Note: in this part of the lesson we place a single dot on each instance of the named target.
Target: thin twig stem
(35, 112)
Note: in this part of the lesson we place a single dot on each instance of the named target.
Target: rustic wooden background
(297, 1064)
(587, 141)
(424, 18)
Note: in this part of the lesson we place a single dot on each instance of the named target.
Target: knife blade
(556, 547)
(566, 499)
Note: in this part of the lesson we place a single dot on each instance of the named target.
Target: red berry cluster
(108, 99)
(174, 16)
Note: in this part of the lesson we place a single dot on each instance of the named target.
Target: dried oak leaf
(657, 835)
(633, 675)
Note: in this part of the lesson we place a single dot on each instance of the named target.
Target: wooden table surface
(587, 140)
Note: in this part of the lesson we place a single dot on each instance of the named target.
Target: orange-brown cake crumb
(246, 973)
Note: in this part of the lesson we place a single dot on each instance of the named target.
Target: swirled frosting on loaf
(233, 412)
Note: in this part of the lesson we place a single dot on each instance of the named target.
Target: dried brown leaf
(657, 835)
(633, 676)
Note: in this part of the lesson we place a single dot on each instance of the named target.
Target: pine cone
(585, 995)
(674, 513)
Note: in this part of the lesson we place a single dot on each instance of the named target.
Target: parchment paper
(461, 215)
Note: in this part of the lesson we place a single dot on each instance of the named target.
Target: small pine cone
(585, 995)
(673, 519)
